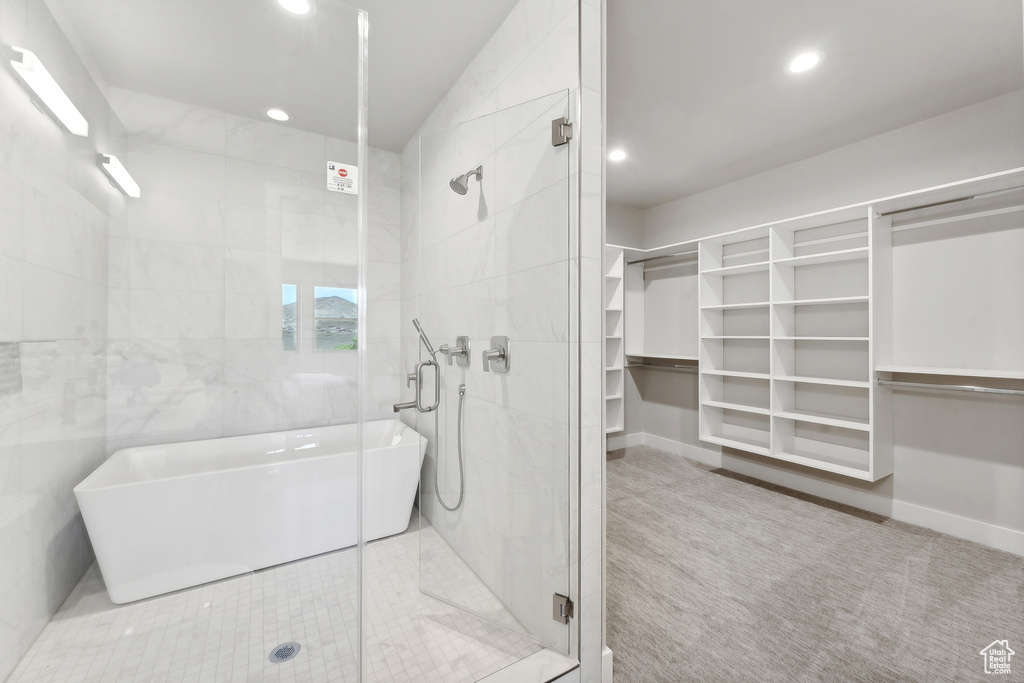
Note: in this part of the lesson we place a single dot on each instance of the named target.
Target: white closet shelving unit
(786, 324)
(795, 319)
(958, 282)
(661, 305)
(614, 287)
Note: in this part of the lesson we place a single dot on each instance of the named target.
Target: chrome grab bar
(417, 377)
(419, 386)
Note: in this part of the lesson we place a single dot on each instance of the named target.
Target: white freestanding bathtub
(167, 517)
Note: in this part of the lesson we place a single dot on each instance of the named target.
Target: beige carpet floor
(712, 577)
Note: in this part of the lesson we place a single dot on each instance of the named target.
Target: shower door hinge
(561, 608)
(561, 132)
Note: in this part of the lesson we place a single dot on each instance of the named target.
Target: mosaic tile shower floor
(224, 631)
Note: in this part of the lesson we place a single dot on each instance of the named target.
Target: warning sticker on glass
(342, 178)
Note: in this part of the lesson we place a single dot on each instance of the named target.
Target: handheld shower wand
(423, 338)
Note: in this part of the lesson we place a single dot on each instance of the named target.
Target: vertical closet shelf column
(614, 341)
(821, 360)
(734, 341)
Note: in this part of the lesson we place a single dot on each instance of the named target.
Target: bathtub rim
(83, 486)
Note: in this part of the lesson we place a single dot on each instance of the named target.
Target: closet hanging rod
(657, 258)
(982, 195)
(953, 387)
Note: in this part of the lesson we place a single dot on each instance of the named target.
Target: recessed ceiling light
(296, 6)
(278, 114)
(617, 155)
(804, 62)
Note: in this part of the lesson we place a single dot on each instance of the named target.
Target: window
(289, 317)
(335, 313)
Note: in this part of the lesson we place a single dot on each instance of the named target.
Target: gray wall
(982, 138)
(625, 225)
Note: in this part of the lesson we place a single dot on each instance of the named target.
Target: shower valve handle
(497, 357)
(491, 355)
(459, 353)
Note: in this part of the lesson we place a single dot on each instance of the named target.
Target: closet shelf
(823, 419)
(733, 443)
(826, 301)
(613, 430)
(738, 270)
(842, 339)
(821, 464)
(952, 372)
(613, 397)
(826, 257)
(736, 336)
(725, 307)
(737, 406)
(611, 309)
(825, 381)
(657, 356)
(734, 373)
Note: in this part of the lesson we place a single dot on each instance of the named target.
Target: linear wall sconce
(39, 79)
(116, 170)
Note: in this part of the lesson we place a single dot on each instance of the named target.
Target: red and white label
(342, 177)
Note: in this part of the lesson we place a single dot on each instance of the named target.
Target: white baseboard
(606, 666)
(701, 455)
(617, 441)
(993, 536)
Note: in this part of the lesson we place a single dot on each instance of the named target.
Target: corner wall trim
(1000, 538)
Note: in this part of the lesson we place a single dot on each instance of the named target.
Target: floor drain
(284, 652)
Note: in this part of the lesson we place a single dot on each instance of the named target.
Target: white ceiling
(698, 97)
(244, 56)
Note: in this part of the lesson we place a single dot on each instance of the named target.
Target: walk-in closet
(814, 283)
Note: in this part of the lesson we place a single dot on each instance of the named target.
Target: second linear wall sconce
(39, 79)
(119, 174)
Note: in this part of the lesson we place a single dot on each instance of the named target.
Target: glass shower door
(493, 248)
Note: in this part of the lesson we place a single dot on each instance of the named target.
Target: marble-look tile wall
(533, 54)
(231, 209)
(56, 210)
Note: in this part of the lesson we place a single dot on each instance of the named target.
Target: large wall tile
(162, 169)
(172, 123)
(274, 144)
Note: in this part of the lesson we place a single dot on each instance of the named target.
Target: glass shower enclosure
(493, 288)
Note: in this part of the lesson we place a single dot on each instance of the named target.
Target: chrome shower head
(460, 184)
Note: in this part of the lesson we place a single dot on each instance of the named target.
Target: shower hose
(462, 469)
